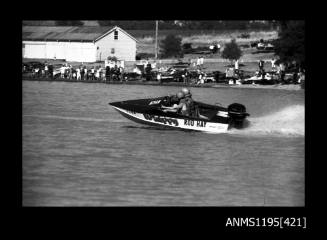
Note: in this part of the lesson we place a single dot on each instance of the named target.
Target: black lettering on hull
(164, 120)
(188, 122)
(201, 123)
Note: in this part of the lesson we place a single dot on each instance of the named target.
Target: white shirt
(236, 64)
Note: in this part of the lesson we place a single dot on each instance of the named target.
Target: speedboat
(208, 118)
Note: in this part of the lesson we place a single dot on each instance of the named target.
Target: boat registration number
(192, 123)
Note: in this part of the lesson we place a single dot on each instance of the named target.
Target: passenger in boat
(191, 108)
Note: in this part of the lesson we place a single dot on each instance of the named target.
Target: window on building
(112, 50)
(116, 35)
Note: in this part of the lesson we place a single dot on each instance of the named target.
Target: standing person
(70, 72)
(159, 77)
(112, 64)
(198, 62)
(97, 74)
(186, 76)
(200, 78)
(193, 63)
(78, 74)
(201, 61)
(301, 77)
(92, 73)
(62, 72)
(107, 73)
(261, 65)
(273, 66)
(218, 47)
(82, 73)
(50, 68)
(111, 73)
(282, 69)
(86, 77)
(121, 73)
(103, 74)
(236, 66)
(46, 70)
(35, 71)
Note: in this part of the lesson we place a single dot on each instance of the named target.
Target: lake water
(79, 151)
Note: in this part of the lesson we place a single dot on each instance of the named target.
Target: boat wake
(286, 122)
(71, 118)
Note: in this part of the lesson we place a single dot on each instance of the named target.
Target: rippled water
(78, 151)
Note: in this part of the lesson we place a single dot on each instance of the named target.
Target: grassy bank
(200, 38)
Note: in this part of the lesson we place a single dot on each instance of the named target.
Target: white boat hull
(178, 123)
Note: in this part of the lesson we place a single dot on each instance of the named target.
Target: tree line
(290, 45)
(171, 24)
(191, 25)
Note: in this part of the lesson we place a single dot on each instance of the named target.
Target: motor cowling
(237, 113)
(236, 108)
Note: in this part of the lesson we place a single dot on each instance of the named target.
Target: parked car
(209, 77)
(56, 70)
(26, 67)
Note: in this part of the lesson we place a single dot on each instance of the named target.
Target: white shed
(78, 44)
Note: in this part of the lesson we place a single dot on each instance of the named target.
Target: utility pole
(156, 46)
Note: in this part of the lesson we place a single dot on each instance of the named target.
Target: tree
(232, 51)
(290, 43)
(171, 46)
(69, 23)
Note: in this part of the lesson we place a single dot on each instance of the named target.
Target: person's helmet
(180, 95)
(186, 92)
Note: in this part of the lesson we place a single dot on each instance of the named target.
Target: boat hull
(173, 122)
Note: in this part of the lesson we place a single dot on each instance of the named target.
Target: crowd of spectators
(78, 73)
(114, 71)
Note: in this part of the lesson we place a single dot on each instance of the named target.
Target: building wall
(124, 47)
(80, 52)
(70, 51)
(34, 49)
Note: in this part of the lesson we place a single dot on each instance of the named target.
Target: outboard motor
(237, 113)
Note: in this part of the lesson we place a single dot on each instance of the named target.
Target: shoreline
(288, 87)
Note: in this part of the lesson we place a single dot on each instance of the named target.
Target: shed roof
(67, 33)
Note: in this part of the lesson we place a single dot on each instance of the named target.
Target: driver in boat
(177, 107)
(186, 105)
